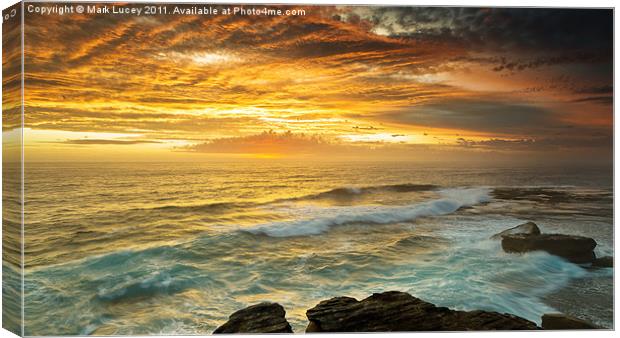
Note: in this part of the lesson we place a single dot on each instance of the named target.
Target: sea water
(175, 248)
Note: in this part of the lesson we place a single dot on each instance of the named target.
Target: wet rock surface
(603, 262)
(259, 318)
(529, 228)
(399, 311)
(559, 321)
(576, 249)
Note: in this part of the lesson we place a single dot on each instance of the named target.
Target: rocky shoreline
(395, 311)
(391, 311)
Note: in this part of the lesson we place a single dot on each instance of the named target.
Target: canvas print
(186, 169)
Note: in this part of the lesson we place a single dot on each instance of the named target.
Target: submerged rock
(576, 249)
(559, 321)
(259, 318)
(603, 262)
(529, 228)
(399, 311)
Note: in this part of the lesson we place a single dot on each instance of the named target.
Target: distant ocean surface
(175, 248)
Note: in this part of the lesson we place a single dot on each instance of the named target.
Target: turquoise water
(176, 248)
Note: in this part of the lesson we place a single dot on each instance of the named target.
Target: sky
(345, 82)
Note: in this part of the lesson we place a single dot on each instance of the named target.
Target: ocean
(175, 248)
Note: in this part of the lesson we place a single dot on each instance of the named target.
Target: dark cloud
(475, 115)
(519, 65)
(596, 90)
(583, 140)
(606, 100)
(495, 143)
(507, 39)
(532, 29)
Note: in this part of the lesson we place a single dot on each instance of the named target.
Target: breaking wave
(167, 281)
(451, 201)
(351, 192)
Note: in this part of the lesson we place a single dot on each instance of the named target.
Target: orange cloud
(197, 78)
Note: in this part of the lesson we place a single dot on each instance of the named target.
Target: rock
(529, 228)
(603, 262)
(576, 249)
(399, 311)
(559, 321)
(259, 318)
(312, 327)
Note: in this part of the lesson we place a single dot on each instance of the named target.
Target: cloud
(496, 143)
(506, 40)
(499, 29)
(113, 119)
(583, 140)
(296, 144)
(110, 142)
(533, 63)
(228, 78)
(606, 89)
(605, 100)
(475, 115)
(268, 142)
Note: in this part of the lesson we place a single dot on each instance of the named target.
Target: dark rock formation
(603, 262)
(576, 249)
(259, 318)
(399, 311)
(529, 228)
(558, 321)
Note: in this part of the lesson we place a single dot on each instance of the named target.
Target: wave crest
(451, 201)
(351, 192)
(167, 281)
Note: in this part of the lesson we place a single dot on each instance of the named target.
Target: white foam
(451, 201)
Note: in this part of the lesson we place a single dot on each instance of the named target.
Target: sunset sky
(363, 82)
